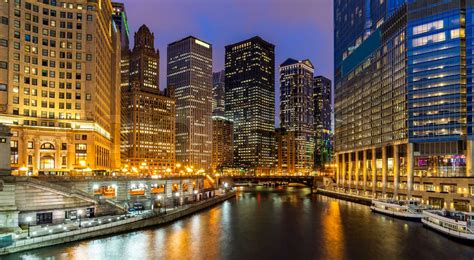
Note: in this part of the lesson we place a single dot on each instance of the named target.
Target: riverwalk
(123, 224)
(345, 196)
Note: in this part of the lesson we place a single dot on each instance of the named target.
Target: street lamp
(159, 199)
(28, 220)
(79, 212)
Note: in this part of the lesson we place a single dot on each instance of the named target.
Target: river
(271, 223)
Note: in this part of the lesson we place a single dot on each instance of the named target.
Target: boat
(457, 224)
(407, 209)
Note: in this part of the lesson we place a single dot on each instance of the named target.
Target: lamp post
(159, 200)
(177, 199)
(79, 213)
(164, 195)
(28, 220)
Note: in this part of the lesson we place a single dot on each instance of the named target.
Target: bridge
(309, 181)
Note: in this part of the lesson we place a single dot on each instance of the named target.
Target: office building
(218, 93)
(148, 114)
(403, 102)
(222, 143)
(59, 86)
(322, 97)
(297, 112)
(190, 75)
(250, 102)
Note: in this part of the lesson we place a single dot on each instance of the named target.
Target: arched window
(47, 146)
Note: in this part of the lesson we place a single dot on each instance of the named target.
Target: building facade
(285, 152)
(119, 17)
(59, 81)
(403, 102)
(218, 93)
(148, 114)
(250, 102)
(222, 143)
(322, 98)
(297, 112)
(190, 75)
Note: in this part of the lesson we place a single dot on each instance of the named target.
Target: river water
(271, 223)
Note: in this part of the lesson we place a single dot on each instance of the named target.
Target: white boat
(408, 209)
(457, 224)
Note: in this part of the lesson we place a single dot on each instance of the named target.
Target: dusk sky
(299, 29)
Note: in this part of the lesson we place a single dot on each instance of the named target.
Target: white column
(357, 168)
(396, 171)
(469, 158)
(384, 169)
(410, 168)
(364, 168)
(374, 172)
(351, 170)
(343, 170)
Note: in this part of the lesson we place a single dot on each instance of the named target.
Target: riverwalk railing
(85, 230)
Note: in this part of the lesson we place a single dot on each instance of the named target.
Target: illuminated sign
(202, 43)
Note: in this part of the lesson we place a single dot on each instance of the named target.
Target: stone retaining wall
(112, 228)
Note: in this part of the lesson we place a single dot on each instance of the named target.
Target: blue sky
(299, 29)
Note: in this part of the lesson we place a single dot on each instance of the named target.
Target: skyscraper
(218, 93)
(322, 97)
(190, 75)
(60, 89)
(250, 102)
(119, 16)
(297, 111)
(222, 143)
(403, 103)
(148, 114)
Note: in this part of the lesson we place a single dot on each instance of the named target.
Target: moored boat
(407, 209)
(456, 224)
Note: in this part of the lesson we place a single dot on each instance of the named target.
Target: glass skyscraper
(403, 99)
(250, 102)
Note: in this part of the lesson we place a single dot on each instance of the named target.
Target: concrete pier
(134, 223)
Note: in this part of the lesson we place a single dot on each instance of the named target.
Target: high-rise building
(250, 102)
(190, 75)
(60, 86)
(322, 97)
(148, 114)
(222, 143)
(218, 93)
(297, 111)
(403, 102)
(285, 151)
(119, 16)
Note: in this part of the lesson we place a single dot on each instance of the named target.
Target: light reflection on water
(270, 223)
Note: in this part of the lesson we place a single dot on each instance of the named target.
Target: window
(428, 27)
(14, 152)
(3, 65)
(47, 146)
(44, 218)
(4, 20)
(31, 145)
(81, 147)
(3, 42)
(439, 37)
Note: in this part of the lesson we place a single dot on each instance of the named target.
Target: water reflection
(270, 223)
(331, 231)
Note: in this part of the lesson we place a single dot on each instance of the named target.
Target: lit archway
(47, 162)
